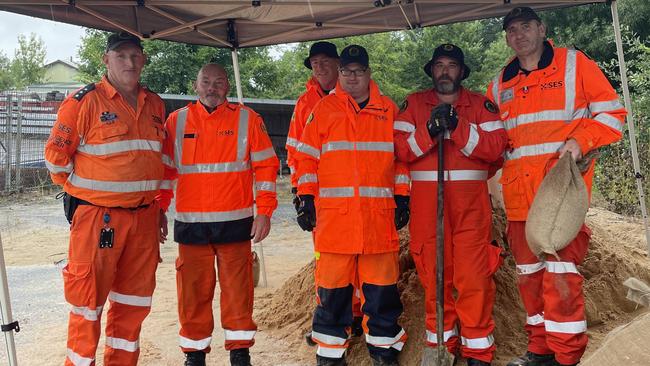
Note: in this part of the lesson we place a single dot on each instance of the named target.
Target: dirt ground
(35, 238)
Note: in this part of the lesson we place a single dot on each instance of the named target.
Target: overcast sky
(61, 40)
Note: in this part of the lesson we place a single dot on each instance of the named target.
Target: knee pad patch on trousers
(383, 307)
(334, 310)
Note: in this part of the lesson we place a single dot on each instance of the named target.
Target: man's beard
(445, 85)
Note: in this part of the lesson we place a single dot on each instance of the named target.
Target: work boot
(240, 357)
(194, 358)
(357, 328)
(475, 362)
(309, 339)
(326, 361)
(383, 361)
(533, 359)
(561, 364)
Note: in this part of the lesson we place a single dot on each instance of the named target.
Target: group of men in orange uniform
(362, 168)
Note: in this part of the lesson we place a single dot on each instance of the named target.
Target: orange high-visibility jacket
(305, 104)
(570, 98)
(346, 159)
(104, 152)
(215, 157)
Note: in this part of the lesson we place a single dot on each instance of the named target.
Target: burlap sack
(558, 210)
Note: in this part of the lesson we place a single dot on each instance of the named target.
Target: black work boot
(240, 357)
(533, 359)
(383, 360)
(194, 358)
(326, 361)
(475, 362)
(357, 328)
(562, 364)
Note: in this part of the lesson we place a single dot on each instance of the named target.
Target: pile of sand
(615, 254)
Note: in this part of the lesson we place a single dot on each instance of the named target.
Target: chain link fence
(25, 123)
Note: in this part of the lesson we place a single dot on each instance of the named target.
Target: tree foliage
(29, 59)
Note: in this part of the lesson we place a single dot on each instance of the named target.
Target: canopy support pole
(5, 312)
(235, 65)
(630, 119)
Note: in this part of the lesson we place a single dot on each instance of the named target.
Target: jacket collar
(375, 103)
(514, 67)
(111, 92)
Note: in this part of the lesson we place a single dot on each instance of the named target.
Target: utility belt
(70, 204)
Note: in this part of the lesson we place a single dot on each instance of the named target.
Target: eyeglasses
(357, 72)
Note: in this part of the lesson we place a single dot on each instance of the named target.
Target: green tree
(6, 81)
(29, 59)
(90, 53)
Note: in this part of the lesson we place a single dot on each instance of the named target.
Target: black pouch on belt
(70, 204)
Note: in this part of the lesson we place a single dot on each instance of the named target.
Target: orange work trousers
(551, 291)
(125, 274)
(336, 278)
(195, 282)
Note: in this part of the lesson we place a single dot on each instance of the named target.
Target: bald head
(212, 85)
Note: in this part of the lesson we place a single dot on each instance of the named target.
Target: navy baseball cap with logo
(354, 54)
(116, 40)
(321, 48)
(520, 13)
(451, 51)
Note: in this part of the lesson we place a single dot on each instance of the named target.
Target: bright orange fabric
(196, 279)
(125, 274)
(304, 106)
(569, 99)
(346, 159)
(103, 151)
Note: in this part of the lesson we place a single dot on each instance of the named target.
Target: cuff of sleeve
(584, 140)
(265, 210)
(401, 190)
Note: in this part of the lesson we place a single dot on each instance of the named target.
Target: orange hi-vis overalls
(472, 152)
(215, 158)
(346, 160)
(567, 97)
(304, 106)
(108, 155)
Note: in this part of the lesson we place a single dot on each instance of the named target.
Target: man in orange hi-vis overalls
(215, 150)
(348, 185)
(105, 149)
(553, 101)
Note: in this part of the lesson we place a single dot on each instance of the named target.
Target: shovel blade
(438, 356)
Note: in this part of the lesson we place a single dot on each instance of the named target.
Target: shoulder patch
(490, 106)
(83, 91)
(405, 104)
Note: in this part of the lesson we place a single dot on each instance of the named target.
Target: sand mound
(615, 254)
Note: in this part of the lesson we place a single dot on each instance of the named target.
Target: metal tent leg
(235, 65)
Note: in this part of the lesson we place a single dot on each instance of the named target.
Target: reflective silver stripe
(337, 146)
(478, 343)
(543, 116)
(123, 344)
(328, 339)
(265, 186)
(308, 178)
(217, 216)
(398, 346)
(262, 155)
(330, 352)
(414, 145)
(535, 319)
(561, 267)
(472, 140)
(610, 121)
(376, 146)
(525, 269)
(309, 150)
(336, 192)
(384, 341)
(87, 313)
(231, 167)
(167, 160)
(108, 186)
(403, 126)
(56, 169)
(242, 134)
(402, 179)
(375, 192)
(608, 106)
(570, 81)
(491, 126)
(450, 175)
(120, 146)
(495, 88)
(195, 344)
(78, 360)
(566, 327)
(581, 113)
(167, 184)
(292, 170)
(181, 121)
(133, 300)
(534, 150)
(292, 142)
(433, 337)
(239, 335)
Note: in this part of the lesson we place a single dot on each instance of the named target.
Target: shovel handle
(440, 248)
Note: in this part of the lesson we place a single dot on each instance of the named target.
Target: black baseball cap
(115, 40)
(452, 51)
(354, 54)
(321, 48)
(520, 13)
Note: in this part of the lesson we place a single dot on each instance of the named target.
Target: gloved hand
(296, 199)
(402, 212)
(443, 117)
(307, 213)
